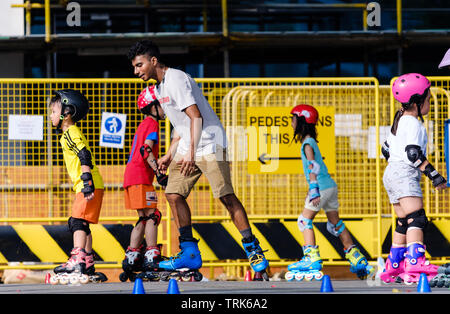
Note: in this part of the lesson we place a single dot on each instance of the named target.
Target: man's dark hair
(144, 47)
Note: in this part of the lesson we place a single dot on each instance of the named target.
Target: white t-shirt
(410, 131)
(176, 92)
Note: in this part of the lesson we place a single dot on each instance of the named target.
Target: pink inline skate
(416, 263)
(395, 265)
(90, 269)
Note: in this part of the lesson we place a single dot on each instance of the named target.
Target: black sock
(186, 232)
(246, 233)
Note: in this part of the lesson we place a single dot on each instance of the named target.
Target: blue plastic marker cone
(326, 284)
(138, 286)
(173, 287)
(423, 286)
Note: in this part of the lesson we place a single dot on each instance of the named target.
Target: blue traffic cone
(423, 286)
(326, 284)
(173, 287)
(138, 286)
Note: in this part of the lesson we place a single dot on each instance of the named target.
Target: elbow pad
(315, 167)
(385, 150)
(85, 157)
(415, 155)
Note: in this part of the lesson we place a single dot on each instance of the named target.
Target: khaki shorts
(328, 201)
(215, 167)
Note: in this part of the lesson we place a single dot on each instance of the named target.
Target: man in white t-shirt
(198, 147)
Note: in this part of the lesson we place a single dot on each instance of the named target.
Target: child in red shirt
(140, 194)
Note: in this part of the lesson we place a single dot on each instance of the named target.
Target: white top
(410, 131)
(176, 92)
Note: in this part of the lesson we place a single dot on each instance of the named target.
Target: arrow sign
(262, 159)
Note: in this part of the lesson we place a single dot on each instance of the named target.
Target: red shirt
(138, 171)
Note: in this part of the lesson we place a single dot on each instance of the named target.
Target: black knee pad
(419, 219)
(156, 217)
(76, 224)
(402, 225)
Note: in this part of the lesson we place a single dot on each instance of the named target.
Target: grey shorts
(401, 180)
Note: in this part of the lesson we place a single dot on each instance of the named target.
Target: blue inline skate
(358, 263)
(308, 268)
(185, 264)
(255, 254)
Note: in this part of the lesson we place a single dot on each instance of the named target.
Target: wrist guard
(162, 179)
(88, 183)
(313, 191)
(433, 175)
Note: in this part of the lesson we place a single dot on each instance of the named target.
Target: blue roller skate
(358, 263)
(185, 264)
(308, 268)
(256, 256)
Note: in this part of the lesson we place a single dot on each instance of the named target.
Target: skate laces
(256, 259)
(256, 255)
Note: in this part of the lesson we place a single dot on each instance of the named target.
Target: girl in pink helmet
(405, 151)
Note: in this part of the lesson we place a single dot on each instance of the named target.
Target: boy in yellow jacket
(68, 107)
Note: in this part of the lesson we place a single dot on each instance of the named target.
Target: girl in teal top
(322, 193)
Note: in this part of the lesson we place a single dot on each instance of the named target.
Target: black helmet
(76, 102)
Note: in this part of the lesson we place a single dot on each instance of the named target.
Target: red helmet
(146, 97)
(309, 112)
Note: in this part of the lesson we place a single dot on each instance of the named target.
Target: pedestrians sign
(271, 146)
(113, 129)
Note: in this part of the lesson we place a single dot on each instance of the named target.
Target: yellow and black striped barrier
(53, 243)
(218, 241)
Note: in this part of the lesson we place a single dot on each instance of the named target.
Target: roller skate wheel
(387, 280)
(198, 276)
(74, 279)
(289, 276)
(299, 276)
(84, 279)
(164, 277)
(54, 280)
(123, 277)
(309, 277)
(318, 276)
(64, 280)
(185, 278)
(408, 280)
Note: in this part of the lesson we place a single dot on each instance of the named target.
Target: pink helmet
(408, 85)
